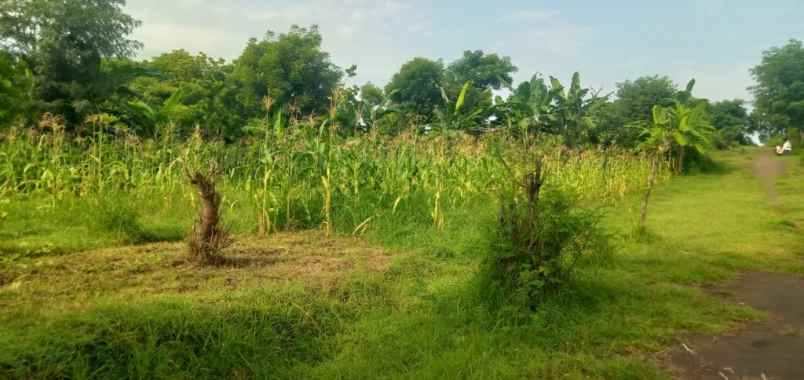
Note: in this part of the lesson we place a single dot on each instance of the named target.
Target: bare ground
(306, 258)
(767, 350)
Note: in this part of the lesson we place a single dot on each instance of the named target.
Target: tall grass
(303, 176)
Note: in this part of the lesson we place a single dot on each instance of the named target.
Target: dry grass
(305, 258)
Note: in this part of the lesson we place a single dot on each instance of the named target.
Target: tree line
(75, 59)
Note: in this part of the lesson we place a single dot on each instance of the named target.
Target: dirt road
(769, 350)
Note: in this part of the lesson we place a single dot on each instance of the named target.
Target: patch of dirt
(772, 349)
(307, 258)
(768, 168)
(769, 350)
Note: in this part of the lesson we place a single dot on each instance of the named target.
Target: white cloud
(361, 32)
(716, 82)
(529, 16)
(541, 40)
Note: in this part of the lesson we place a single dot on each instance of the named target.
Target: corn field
(304, 176)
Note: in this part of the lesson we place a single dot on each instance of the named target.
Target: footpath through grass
(410, 310)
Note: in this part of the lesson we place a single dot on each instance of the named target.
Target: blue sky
(714, 41)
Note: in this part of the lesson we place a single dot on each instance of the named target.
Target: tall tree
(731, 121)
(636, 98)
(189, 90)
(484, 73)
(779, 93)
(371, 95)
(63, 43)
(633, 104)
(416, 88)
(290, 68)
(555, 109)
(15, 84)
(483, 70)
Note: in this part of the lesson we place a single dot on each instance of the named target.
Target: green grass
(421, 316)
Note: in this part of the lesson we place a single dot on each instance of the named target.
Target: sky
(714, 41)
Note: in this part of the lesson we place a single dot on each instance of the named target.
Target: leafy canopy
(779, 93)
(416, 87)
(289, 68)
(63, 43)
(732, 122)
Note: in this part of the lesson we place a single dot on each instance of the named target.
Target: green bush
(541, 236)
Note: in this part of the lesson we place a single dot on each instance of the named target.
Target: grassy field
(401, 302)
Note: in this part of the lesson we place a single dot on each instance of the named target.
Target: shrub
(540, 237)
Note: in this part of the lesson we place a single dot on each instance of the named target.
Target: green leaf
(462, 97)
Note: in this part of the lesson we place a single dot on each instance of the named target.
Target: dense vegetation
(497, 194)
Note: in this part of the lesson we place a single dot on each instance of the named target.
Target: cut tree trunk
(207, 238)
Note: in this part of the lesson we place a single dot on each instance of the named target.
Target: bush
(540, 237)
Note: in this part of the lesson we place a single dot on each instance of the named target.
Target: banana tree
(678, 127)
(658, 140)
(570, 110)
(691, 129)
(172, 110)
(371, 114)
(451, 114)
(558, 110)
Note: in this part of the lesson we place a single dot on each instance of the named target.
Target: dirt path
(767, 168)
(769, 350)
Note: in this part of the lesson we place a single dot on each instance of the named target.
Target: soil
(307, 258)
(772, 349)
(769, 350)
(768, 168)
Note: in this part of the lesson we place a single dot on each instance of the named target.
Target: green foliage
(15, 85)
(541, 235)
(169, 338)
(482, 70)
(419, 317)
(731, 122)
(188, 91)
(63, 44)
(372, 95)
(290, 68)
(416, 87)
(677, 129)
(557, 110)
(779, 93)
(633, 104)
(452, 115)
(112, 214)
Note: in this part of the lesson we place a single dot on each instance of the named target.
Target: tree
(633, 104)
(63, 44)
(571, 111)
(732, 122)
(189, 90)
(558, 110)
(291, 69)
(15, 84)
(690, 129)
(658, 139)
(676, 129)
(416, 88)
(482, 70)
(371, 94)
(635, 99)
(779, 93)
